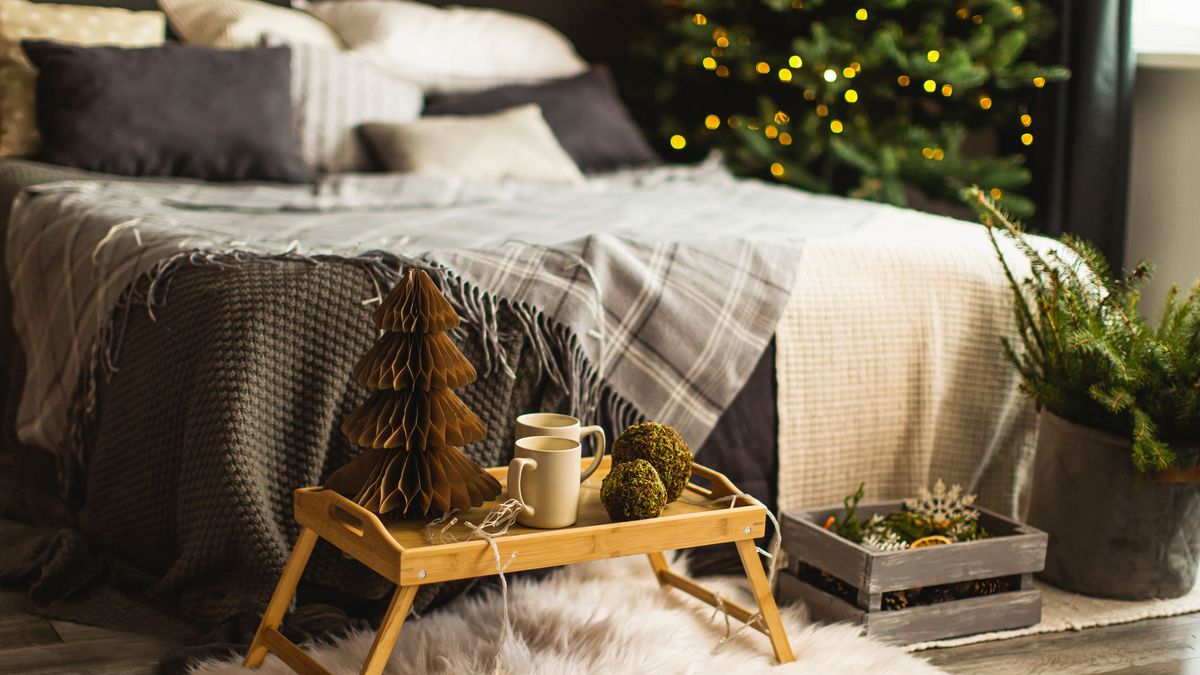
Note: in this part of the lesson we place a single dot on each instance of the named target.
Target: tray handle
(332, 515)
(721, 486)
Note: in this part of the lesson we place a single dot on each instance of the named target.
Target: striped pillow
(332, 94)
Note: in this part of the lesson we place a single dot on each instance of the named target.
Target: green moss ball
(663, 447)
(633, 491)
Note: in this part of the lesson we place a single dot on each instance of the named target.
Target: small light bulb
(996, 193)
(861, 14)
(835, 126)
(822, 110)
(851, 96)
(709, 63)
(785, 138)
(985, 102)
(771, 131)
(1026, 120)
(762, 68)
(712, 121)
(903, 80)
(700, 19)
(849, 72)
(930, 86)
(777, 170)
(795, 61)
(1039, 81)
(933, 55)
(830, 75)
(1027, 139)
(947, 90)
(678, 142)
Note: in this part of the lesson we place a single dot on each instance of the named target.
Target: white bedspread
(891, 371)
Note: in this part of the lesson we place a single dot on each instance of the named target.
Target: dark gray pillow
(175, 110)
(584, 111)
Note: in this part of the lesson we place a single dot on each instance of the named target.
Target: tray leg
(282, 596)
(389, 630)
(659, 562)
(766, 601)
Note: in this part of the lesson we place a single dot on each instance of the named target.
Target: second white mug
(562, 426)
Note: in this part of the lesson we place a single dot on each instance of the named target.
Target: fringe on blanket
(561, 356)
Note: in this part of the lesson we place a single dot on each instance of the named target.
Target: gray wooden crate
(1013, 549)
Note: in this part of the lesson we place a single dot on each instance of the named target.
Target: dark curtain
(1081, 167)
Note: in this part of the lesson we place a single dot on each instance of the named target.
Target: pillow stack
(287, 94)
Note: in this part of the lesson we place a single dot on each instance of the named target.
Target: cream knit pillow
(244, 23)
(68, 24)
(511, 144)
(452, 49)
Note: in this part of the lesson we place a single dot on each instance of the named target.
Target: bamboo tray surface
(410, 534)
(399, 549)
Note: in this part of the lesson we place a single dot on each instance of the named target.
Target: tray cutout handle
(349, 521)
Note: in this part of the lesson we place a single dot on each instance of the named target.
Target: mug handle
(601, 443)
(515, 469)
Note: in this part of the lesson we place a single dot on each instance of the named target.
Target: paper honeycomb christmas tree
(414, 424)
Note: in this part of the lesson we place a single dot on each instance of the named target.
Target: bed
(178, 352)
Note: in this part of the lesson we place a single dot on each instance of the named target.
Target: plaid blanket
(672, 280)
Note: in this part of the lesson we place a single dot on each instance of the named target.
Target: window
(1166, 26)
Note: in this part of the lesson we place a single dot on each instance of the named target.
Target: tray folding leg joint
(766, 621)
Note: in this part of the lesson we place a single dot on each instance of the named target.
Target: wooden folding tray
(398, 550)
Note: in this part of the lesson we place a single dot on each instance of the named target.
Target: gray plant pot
(1113, 533)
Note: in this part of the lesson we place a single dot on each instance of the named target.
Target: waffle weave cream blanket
(891, 371)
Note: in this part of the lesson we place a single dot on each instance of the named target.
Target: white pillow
(515, 143)
(244, 23)
(335, 92)
(454, 49)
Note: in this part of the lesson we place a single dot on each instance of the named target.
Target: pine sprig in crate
(940, 516)
(930, 567)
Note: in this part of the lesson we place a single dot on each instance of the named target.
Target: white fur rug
(608, 617)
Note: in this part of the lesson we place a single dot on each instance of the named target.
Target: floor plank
(37, 646)
(20, 629)
(1163, 644)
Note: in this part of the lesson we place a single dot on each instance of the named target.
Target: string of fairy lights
(791, 71)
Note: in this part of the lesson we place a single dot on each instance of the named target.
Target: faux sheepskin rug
(606, 617)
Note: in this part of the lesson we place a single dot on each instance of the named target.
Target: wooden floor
(33, 645)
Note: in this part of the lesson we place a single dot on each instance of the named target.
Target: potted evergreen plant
(1114, 479)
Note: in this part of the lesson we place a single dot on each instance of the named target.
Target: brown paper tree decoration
(413, 425)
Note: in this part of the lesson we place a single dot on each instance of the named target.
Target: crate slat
(984, 614)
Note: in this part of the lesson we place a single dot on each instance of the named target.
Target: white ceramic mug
(563, 426)
(544, 476)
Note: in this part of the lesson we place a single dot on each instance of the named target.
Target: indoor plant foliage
(1086, 353)
(875, 98)
(1113, 480)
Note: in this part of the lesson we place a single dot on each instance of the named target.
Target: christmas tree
(413, 422)
(886, 100)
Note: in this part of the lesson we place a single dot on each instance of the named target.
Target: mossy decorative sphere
(663, 447)
(633, 491)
